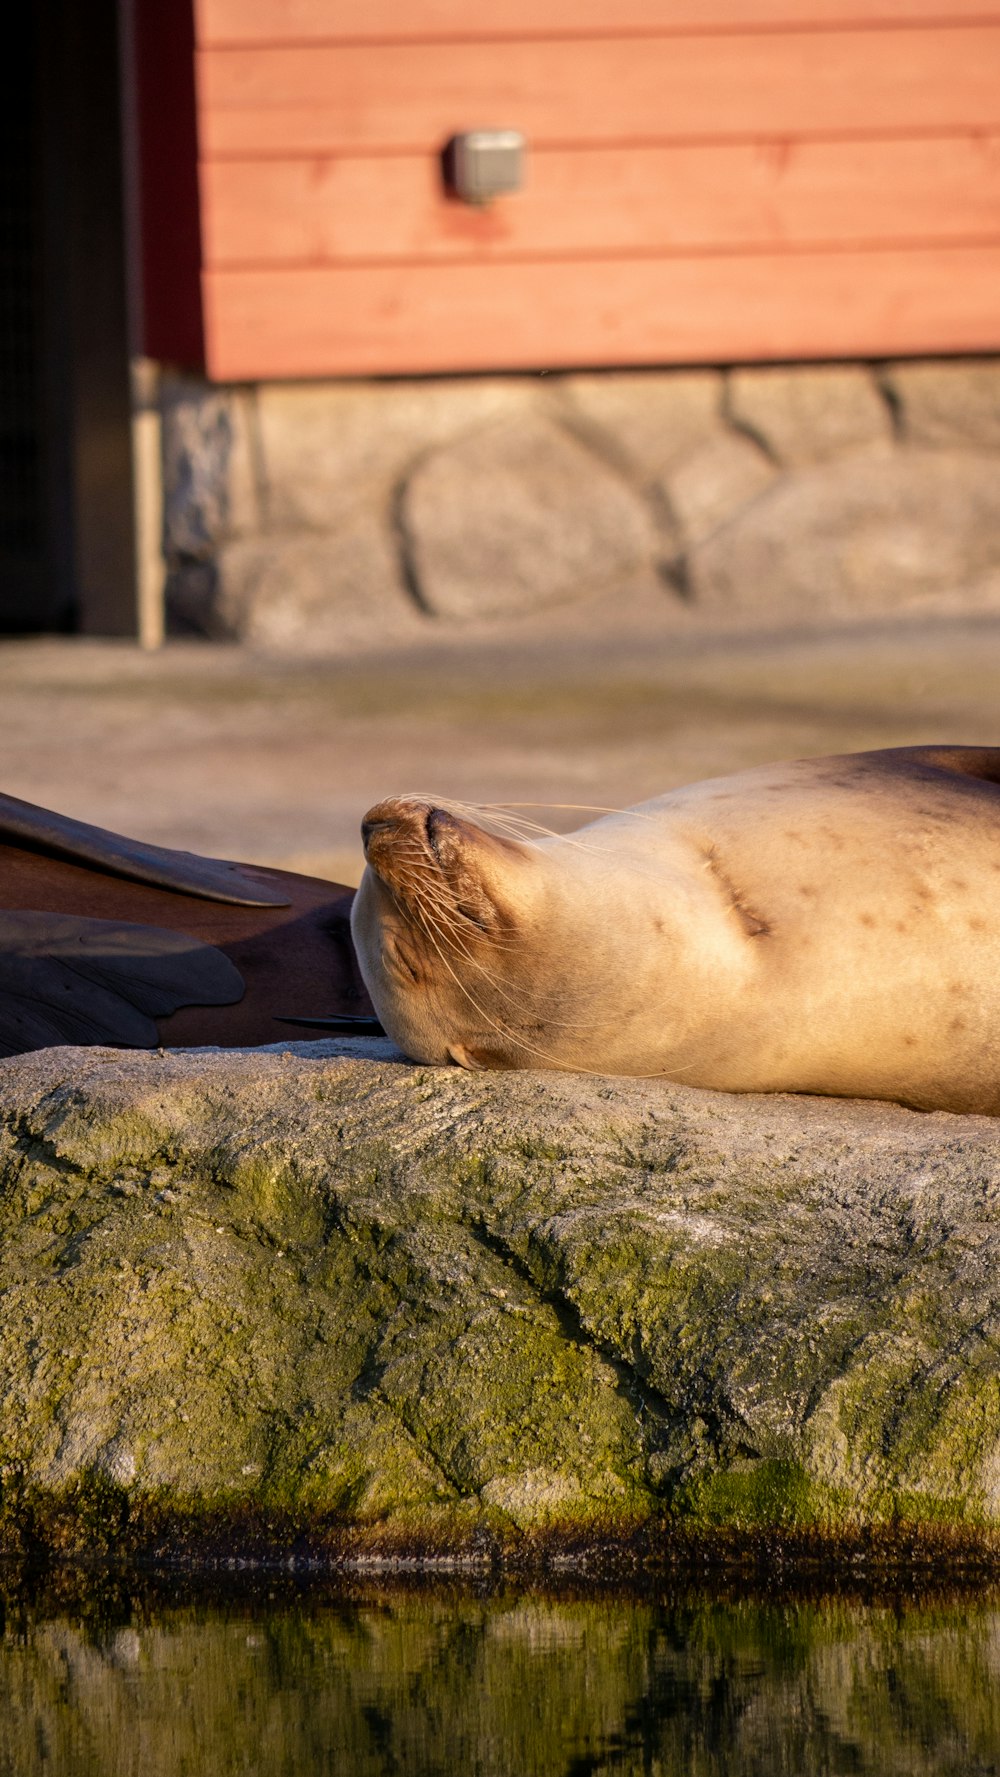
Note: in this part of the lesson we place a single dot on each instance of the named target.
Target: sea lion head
(451, 925)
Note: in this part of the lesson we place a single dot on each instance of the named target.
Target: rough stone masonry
(311, 516)
(327, 1283)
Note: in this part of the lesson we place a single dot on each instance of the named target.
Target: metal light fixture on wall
(480, 165)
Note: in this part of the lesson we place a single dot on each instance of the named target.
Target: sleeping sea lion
(829, 925)
(104, 939)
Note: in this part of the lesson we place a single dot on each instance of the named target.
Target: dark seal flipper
(211, 879)
(345, 1026)
(69, 980)
(285, 937)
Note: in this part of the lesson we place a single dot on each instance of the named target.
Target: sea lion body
(828, 925)
(281, 942)
(294, 959)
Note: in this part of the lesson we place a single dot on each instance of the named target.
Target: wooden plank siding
(734, 197)
(612, 311)
(389, 21)
(707, 180)
(370, 98)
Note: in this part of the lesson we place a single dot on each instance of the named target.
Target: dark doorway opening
(66, 511)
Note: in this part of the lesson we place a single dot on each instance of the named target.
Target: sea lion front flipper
(69, 980)
(211, 879)
(347, 1024)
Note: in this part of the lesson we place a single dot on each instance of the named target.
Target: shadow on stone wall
(313, 516)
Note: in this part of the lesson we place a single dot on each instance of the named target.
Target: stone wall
(313, 515)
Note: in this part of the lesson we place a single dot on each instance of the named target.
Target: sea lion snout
(418, 850)
(406, 831)
(442, 877)
(386, 825)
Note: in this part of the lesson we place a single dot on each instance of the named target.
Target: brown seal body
(828, 925)
(254, 945)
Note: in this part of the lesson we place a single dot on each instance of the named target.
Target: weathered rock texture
(520, 515)
(318, 1283)
(311, 516)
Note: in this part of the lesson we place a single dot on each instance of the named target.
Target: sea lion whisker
(424, 909)
(501, 1030)
(454, 922)
(581, 1024)
(420, 875)
(426, 925)
(420, 881)
(451, 938)
(504, 1030)
(494, 809)
(488, 816)
(513, 997)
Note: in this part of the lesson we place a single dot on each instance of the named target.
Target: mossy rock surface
(327, 1286)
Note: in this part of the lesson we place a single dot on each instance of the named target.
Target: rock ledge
(321, 1285)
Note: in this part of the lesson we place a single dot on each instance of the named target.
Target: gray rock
(209, 485)
(245, 513)
(950, 402)
(517, 517)
(917, 529)
(667, 432)
(721, 477)
(190, 600)
(330, 448)
(424, 1300)
(313, 594)
(649, 420)
(197, 438)
(811, 412)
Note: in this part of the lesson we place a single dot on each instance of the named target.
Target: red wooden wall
(707, 180)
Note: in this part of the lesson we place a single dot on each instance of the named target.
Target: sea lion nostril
(369, 829)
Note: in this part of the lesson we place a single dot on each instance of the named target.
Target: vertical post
(147, 481)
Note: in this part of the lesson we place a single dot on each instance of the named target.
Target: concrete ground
(217, 750)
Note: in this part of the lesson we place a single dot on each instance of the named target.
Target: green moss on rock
(322, 1286)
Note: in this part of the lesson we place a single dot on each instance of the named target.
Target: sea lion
(828, 925)
(104, 939)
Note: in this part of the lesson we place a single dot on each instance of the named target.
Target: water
(369, 1683)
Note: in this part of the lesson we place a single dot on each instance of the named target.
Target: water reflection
(508, 1685)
